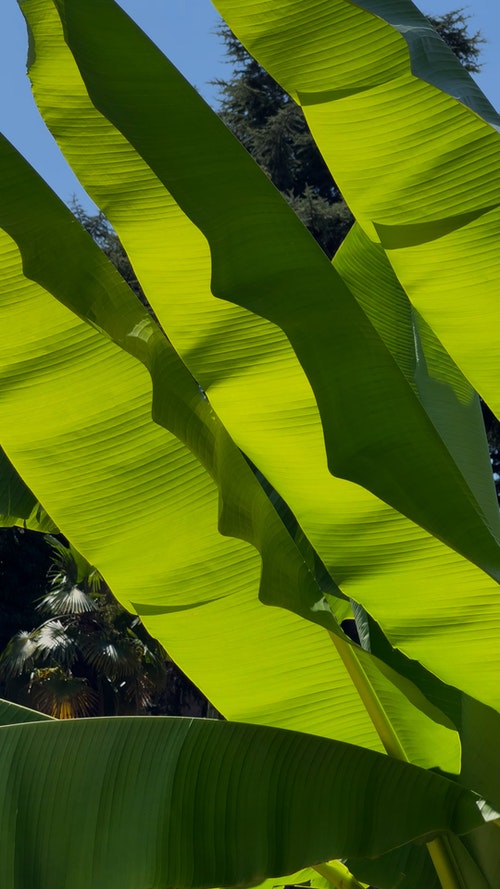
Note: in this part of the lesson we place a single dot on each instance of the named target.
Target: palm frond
(65, 599)
(54, 642)
(19, 655)
(117, 658)
(64, 697)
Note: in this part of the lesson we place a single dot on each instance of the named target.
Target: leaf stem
(445, 864)
(370, 698)
(439, 849)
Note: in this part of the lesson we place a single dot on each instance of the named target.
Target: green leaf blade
(423, 177)
(354, 533)
(198, 803)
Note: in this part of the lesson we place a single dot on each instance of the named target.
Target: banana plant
(287, 444)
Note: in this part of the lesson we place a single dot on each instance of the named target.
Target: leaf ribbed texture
(162, 801)
(254, 380)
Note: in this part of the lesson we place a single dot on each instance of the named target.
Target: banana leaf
(139, 446)
(413, 145)
(228, 350)
(135, 801)
(112, 400)
(18, 505)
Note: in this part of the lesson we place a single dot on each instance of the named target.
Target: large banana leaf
(376, 555)
(185, 618)
(134, 801)
(156, 94)
(135, 475)
(111, 396)
(429, 745)
(414, 147)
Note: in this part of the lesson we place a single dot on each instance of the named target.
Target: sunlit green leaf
(413, 145)
(84, 389)
(373, 552)
(138, 454)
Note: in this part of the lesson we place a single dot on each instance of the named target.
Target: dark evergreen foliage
(453, 28)
(24, 563)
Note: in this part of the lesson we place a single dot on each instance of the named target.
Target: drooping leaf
(484, 848)
(166, 612)
(187, 809)
(84, 392)
(464, 863)
(374, 553)
(414, 148)
(477, 724)
(442, 751)
(319, 328)
(411, 867)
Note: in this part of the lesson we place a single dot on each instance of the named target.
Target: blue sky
(184, 30)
